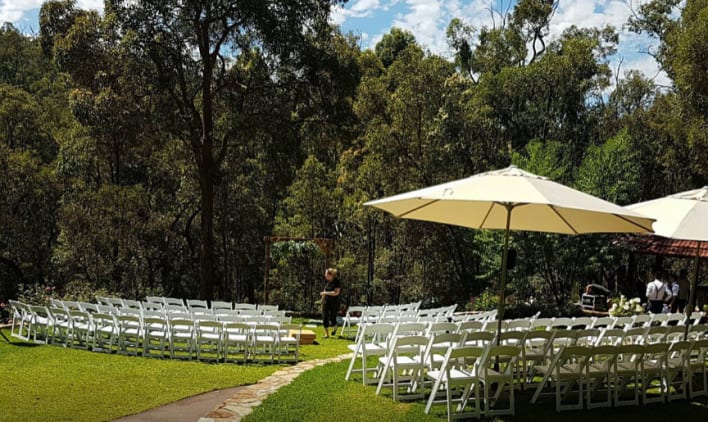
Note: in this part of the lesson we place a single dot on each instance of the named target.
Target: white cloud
(357, 9)
(13, 10)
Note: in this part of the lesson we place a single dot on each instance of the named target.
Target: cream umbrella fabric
(538, 204)
(514, 199)
(683, 216)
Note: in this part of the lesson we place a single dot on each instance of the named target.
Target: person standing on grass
(683, 290)
(330, 298)
(658, 293)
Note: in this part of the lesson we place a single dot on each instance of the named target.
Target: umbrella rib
(650, 229)
(489, 211)
(570, 226)
(418, 208)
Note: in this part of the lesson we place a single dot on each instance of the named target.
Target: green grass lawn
(40, 382)
(322, 394)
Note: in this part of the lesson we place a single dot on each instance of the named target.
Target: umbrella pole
(502, 281)
(692, 295)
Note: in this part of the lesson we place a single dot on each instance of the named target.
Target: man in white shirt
(657, 293)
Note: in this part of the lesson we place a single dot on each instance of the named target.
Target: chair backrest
(655, 334)
(71, 305)
(40, 312)
(659, 319)
(354, 311)
(624, 322)
(539, 323)
(240, 306)
(250, 312)
(197, 304)
(674, 333)
(104, 320)
(642, 320)
(114, 301)
(698, 332)
(675, 319)
(128, 320)
(88, 307)
(560, 323)
(376, 333)
(267, 308)
(173, 301)
(516, 325)
(212, 327)
(132, 304)
(155, 299)
(169, 308)
(512, 338)
(581, 323)
(611, 337)
(409, 345)
(441, 327)
(477, 338)
(107, 309)
(153, 314)
(440, 343)
(635, 335)
(603, 322)
(468, 326)
(410, 329)
(152, 306)
(588, 337)
(494, 354)
(221, 305)
(695, 318)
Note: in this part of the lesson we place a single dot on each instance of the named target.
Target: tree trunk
(207, 169)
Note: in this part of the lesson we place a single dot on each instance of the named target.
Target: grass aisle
(53, 383)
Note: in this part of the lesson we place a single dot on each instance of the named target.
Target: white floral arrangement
(626, 307)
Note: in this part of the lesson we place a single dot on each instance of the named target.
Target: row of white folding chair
(131, 331)
(356, 315)
(673, 367)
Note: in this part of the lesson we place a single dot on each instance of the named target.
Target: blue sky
(428, 19)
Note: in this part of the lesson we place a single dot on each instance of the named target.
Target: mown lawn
(51, 383)
(40, 382)
(322, 395)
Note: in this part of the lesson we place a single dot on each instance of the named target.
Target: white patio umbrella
(682, 216)
(513, 199)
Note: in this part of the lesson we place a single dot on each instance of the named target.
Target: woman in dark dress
(330, 298)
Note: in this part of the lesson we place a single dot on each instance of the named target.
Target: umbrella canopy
(483, 201)
(683, 216)
(514, 199)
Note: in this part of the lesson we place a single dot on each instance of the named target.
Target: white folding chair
(352, 318)
(565, 370)
(498, 368)
(237, 341)
(653, 367)
(156, 334)
(403, 366)
(82, 329)
(697, 367)
(21, 320)
(676, 373)
(289, 342)
(600, 375)
(130, 333)
(459, 371)
(62, 326)
(208, 339)
(372, 341)
(42, 324)
(265, 341)
(105, 332)
(628, 372)
(181, 336)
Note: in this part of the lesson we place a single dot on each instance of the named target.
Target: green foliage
(149, 158)
(486, 301)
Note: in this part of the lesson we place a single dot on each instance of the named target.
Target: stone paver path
(248, 397)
